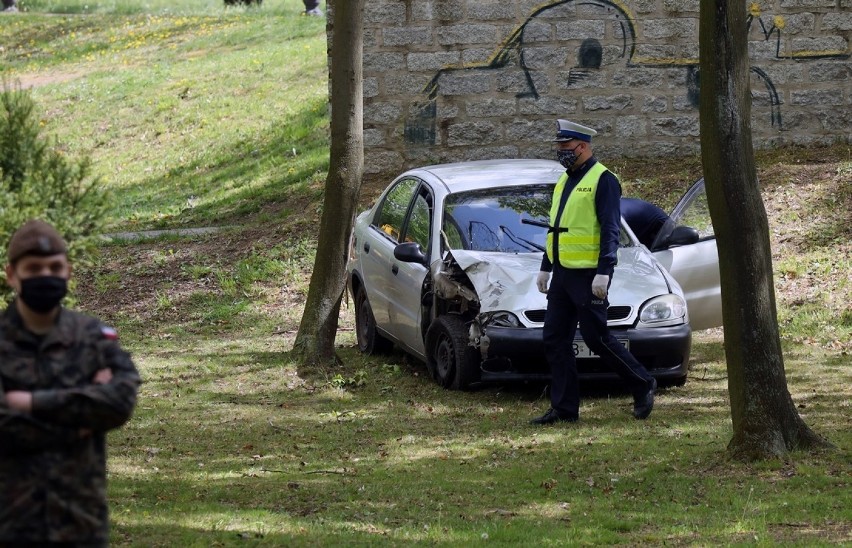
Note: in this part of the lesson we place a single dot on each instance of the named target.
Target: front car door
(380, 239)
(695, 266)
(404, 288)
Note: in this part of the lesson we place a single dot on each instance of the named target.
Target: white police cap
(566, 131)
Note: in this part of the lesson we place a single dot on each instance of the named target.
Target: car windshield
(491, 219)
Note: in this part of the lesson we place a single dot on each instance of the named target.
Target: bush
(37, 181)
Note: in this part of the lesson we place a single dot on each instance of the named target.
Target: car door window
(391, 215)
(694, 211)
(419, 221)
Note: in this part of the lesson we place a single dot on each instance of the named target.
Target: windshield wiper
(521, 241)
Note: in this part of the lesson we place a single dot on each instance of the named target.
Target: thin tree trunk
(315, 339)
(765, 420)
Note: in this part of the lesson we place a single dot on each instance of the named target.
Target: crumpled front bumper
(518, 354)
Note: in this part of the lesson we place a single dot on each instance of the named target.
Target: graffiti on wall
(518, 60)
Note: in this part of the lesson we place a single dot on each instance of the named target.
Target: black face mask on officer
(566, 157)
(43, 293)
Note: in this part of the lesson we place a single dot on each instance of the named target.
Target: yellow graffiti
(754, 9)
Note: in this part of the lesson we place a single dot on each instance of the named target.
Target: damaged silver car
(444, 266)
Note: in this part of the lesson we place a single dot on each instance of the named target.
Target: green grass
(192, 113)
(228, 111)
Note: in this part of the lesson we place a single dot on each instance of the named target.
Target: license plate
(583, 351)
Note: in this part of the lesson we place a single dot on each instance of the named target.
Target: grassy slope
(193, 119)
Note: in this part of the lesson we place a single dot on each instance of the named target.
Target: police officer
(64, 382)
(644, 219)
(581, 251)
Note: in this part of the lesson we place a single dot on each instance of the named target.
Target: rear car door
(695, 266)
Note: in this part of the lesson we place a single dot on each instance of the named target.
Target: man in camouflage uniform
(64, 382)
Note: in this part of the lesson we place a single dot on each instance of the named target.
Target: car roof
(462, 176)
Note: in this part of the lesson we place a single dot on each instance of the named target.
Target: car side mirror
(682, 235)
(409, 252)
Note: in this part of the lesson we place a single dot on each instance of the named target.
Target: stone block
(837, 21)
(760, 50)
(794, 4)
(512, 81)
(489, 153)
(404, 83)
(644, 6)
(578, 79)
(381, 113)
(472, 133)
(407, 36)
(681, 6)
(558, 106)
(560, 11)
(433, 61)
(817, 97)
(461, 82)
(371, 87)
(476, 56)
(537, 31)
(631, 126)
(580, 30)
(379, 161)
(530, 130)
(681, 126)
(467, 34)
(796, 23)
(373, 137)
(654, 103)
(385, 13)
(681, 103)
(820, 45)
(488, 11)
(607, 102)
(383, 61)
(490, 107)
(667, 53)
(545, 58)
(636, 77)
(829, 71)
(422, 10)
(669, 29)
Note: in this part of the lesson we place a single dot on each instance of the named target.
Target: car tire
(680, 381)
(454, 364)
(370, 341)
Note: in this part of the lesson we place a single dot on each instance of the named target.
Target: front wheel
(370, 341)
(452, 361)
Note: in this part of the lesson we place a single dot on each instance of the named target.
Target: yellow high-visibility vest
(578, 229)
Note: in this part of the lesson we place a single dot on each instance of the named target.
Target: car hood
(506, 281)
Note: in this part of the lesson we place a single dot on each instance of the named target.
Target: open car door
(686, 247)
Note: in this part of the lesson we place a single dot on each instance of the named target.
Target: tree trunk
(765, 420)
(315, 339)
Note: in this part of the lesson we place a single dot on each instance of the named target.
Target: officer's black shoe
(552, 417)
(643, 406)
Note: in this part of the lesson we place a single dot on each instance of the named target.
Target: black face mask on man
(566, 157)
(43, 293)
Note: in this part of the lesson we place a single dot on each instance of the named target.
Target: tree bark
(765, 420)
(315, 340)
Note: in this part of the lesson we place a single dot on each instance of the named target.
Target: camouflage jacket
(53, 460)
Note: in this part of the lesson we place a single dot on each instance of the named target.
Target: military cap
(567, 131)
(35, 238)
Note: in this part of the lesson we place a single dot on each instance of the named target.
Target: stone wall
(450, 80)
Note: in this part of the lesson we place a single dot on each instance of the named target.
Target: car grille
(613, 313)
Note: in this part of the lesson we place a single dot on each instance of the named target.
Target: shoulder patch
(109, 333)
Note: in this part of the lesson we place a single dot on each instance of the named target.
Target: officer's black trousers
(570, 300)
